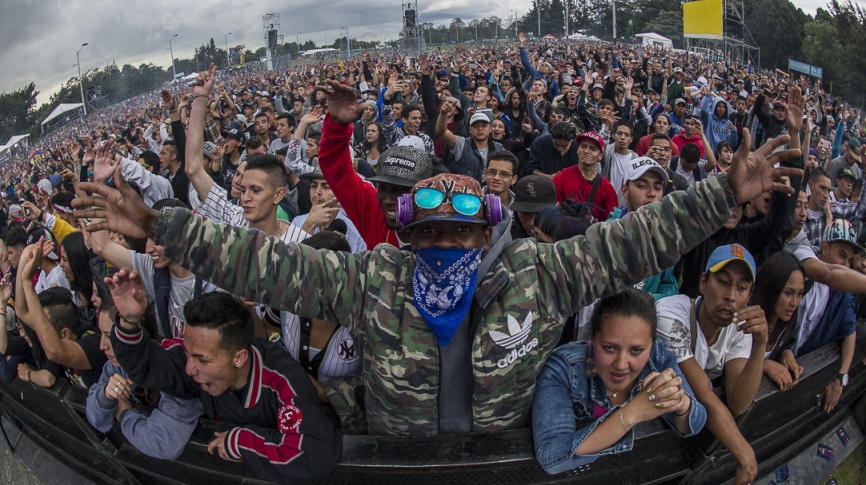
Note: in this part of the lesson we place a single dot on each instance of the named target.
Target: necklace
(612, 394)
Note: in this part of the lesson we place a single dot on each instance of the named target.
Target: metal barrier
(778, 425)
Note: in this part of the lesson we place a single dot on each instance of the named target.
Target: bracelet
(130, 322)
(29, 370)
(621, 420)
(689, 410)
(3, 313)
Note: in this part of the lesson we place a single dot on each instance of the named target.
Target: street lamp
(80, 81)
(515, 21)
(228, 58)
(326, 38)
(298, 42)
(171, 51)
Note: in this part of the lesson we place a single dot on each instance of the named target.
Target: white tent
(579, 36)
(15, 139)
(60, 109)
(651, 39)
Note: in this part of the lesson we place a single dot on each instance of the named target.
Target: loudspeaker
(272, 39)
(409, 19)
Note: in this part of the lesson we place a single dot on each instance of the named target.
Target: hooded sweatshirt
(716, 128)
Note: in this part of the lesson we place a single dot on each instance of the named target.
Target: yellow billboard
(702, 19)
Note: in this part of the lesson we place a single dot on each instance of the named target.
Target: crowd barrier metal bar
(778, 425)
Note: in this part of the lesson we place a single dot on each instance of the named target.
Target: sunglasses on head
(466, 204)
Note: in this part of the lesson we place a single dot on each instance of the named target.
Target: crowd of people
(577, 237)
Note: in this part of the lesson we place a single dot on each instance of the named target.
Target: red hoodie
(357, 197)
(680, 140)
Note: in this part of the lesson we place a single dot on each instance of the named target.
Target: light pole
(171, 51)
(228, 58)
(326, 38)
(81, 81)
(515, 22)
(298, 42)
(613, 10)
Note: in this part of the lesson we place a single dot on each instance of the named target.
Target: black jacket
(282, 431)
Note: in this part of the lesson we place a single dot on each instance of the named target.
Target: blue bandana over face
(444, 283)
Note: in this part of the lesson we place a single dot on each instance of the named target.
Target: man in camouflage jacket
(521, 302)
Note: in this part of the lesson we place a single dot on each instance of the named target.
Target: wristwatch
(843, 378)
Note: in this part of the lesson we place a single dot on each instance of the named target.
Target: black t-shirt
(89, 343)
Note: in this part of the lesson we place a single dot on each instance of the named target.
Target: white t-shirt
(54, 278)
(812, 304)
(690, 176)
(617, 172)
(674, 315)
(182, 290)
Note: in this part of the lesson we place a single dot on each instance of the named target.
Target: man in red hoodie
(691, 134)
(373, 210)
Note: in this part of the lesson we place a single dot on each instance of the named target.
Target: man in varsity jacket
(281, 429)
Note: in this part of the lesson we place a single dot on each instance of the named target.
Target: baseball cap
(38, 231)
(731, 252)
(678, 69)
(16, 211)
(314, 175)
(841, 230)
(846, 172)
(234, 130)
(592, 136)
(404, 166)
(45, 185)
(55, 179)
(479, 117)
(639, 166)
(448, 183)
(854, 147)
(533, 193)
(679, 100)
(209, 147)
(412, 141)
(242, 119)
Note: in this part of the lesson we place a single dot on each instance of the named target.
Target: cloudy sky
(41, 37)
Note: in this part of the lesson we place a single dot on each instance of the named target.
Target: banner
(703, 19)
(813, 71)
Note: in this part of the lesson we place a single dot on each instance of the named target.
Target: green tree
(778, 28)
(821, 47)
(17, 111)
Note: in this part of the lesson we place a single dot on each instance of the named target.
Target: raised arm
(194, 166)
(29, 310)
(446, 115)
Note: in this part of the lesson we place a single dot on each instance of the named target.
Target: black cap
(404, 166)
(533, 193)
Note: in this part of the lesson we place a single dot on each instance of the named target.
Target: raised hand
(128, 293)
(752, 173)
(168, 100)
(206, 81)
(313, 116)
(342, 102)
(104, 163)
(6, 288)
(122, 209)
(794, 112)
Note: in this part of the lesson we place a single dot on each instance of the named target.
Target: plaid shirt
(844, 210)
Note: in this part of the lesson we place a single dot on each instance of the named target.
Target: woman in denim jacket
(591, 395)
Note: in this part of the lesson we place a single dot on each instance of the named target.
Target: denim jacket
(563, 413)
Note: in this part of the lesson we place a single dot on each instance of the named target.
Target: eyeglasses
(493, 173)
(466, 204)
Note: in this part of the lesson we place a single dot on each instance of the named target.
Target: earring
(589, 369)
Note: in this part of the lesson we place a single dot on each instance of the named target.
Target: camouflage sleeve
(614, 255)
(327, 285)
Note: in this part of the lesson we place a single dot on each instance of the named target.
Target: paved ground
(12, 470)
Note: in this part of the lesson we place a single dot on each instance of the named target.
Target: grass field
(852, 471)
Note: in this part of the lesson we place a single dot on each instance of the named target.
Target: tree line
(832, 39)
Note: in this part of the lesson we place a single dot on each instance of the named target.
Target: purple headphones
(406, 209)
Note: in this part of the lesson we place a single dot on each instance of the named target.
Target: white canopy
(15, 139)
(651, 39)
(579, 36)
(60, 109)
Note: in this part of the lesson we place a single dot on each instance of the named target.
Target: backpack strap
(596, 183)
(693, 325)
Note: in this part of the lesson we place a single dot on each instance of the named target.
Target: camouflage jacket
(524, 298)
